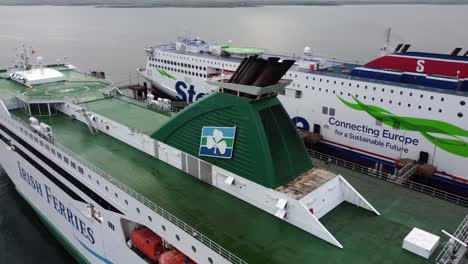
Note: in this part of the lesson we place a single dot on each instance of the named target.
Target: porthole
(97, 182)
(107, 189)
(150, 219)
(421, 96)
(138, 210)
(381, 100)
(430, 109)
(163, 227)
(442, 99)
(440, 110)
(177, 237)
(460, 114)
(89, 176)
(462, 102)
(210, 260)
(432, 97)
(194, 249)
(126, 202)
(116, 195)
(409, 105)
(419, 107)
(410, 94)
(373, 98)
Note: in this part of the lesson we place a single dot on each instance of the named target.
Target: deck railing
(159, 210)
(450, 252)
(453, 198)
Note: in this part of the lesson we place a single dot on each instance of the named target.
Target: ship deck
(135, 115)
(250, 233)
(76, 84)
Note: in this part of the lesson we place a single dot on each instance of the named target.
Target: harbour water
(23, 237)
(112, 40)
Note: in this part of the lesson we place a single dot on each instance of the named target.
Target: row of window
(81, 171)
(195, 59)
(366, 87)
(299, 95)
(179, 64)
(178, 70)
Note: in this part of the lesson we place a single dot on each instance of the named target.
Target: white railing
(390, 178)
(450, 252)
(159, 210)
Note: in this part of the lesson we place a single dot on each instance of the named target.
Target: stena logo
(420, 65)
(187, 94)
(301, 123)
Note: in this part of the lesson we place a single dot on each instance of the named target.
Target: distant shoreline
(215, 4)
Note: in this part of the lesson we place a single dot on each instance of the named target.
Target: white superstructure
(361, 112)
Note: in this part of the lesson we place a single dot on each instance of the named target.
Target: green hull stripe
(61, 238)
(454, 145)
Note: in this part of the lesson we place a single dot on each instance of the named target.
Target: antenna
(388, 34)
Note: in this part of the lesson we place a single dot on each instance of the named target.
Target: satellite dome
(307, 50)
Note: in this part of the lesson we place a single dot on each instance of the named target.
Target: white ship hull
(314, 99)
(63, 200)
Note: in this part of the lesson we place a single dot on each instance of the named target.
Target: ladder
(88, 121)
(406, 172)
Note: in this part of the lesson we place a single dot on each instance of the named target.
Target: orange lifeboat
(175, 257)
(147, 242)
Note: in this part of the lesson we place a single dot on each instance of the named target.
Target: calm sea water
(112, 40)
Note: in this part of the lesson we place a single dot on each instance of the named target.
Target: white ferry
(402, 107)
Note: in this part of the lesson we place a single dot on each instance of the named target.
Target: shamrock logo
(216, 143)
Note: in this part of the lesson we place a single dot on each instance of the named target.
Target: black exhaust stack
(252, 73)
(455, 52)
(405, 48)
(397, 49)
(259, 72)
(239, 68)
(243, 69)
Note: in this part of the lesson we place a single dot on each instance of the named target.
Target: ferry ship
(226, 180)
(404, 106)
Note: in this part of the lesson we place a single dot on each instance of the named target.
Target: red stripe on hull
(454, 177)
(421, 65)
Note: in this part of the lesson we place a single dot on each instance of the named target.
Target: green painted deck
(9, 89)
(254, 235)
(76, 84)
(128, 112)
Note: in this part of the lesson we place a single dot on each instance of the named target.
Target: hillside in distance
(218, 3)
